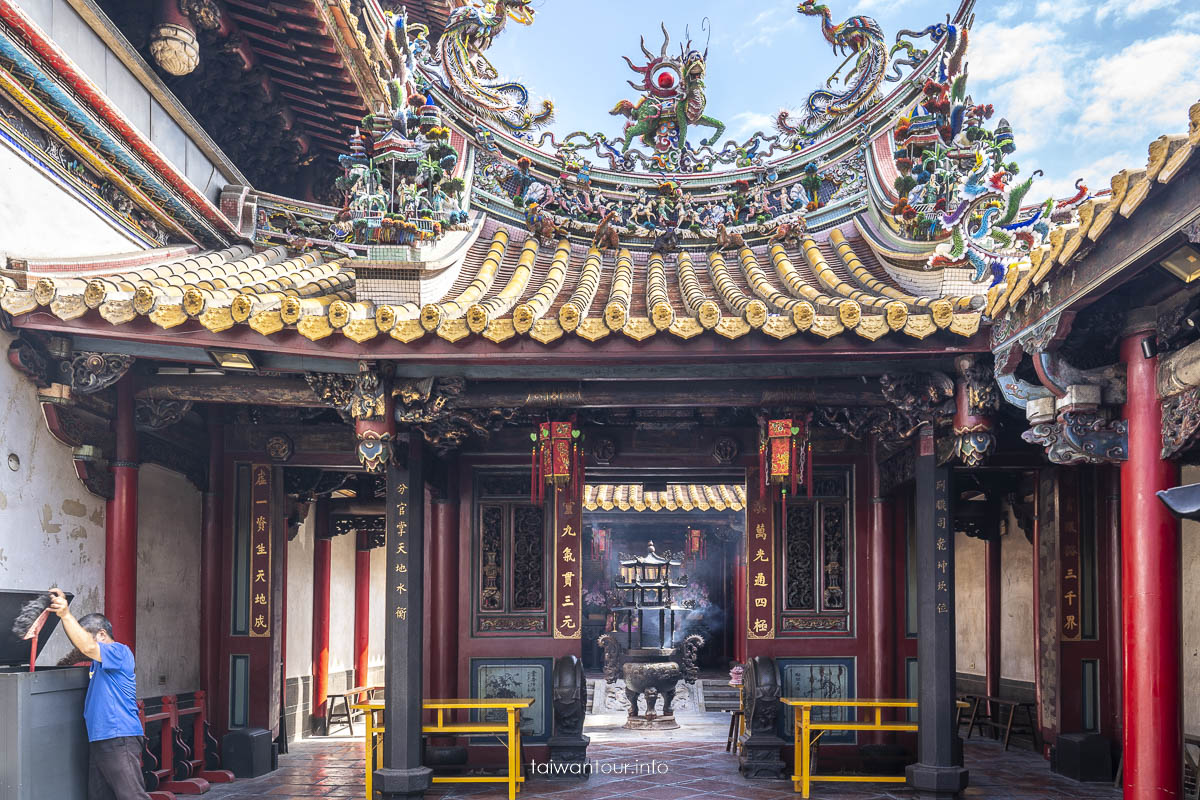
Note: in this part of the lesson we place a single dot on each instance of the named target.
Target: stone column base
(568, 757)
(936, 783)
(397, 783)
(758, 756)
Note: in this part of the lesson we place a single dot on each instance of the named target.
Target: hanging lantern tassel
(808, 468)
(534, 477)
(793, 466)
(763, 477)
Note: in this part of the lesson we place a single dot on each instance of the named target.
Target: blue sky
(1087, 84)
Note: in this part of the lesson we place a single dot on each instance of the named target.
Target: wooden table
(804, 726)
(992, 722)
(347, 716)
(510, 729)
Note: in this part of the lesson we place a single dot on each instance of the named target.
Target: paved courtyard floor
(698, 768)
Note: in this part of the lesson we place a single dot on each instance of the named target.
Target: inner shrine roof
(676, 497)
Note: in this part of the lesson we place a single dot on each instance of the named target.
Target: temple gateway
(414, 448)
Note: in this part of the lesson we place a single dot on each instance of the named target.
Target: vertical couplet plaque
(1070, 623)
(760, 566)
(260, 551)
(568, 570)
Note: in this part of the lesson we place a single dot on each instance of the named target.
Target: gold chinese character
(1070, 598)
(941, 586)
(260, 621)
(760, 579)
(401, 528)
(401, 588)
(401, 568)
(943, 565)
(260, 550)
(1070, 624)
(567, 622)
(260, 476)
(941, 543)
(940, 505)
(567, 601)
(758, 507)
(760, 602)
(1070, 576)
(761, 555)
(1070, 551)
(402, 489)
(568, 577)
(942, 608)
(567, 554)
(760, 626)
(401, 549)
(568, 530)
(760, 531)
(260, 576)
(568, 507)
(260, 523)
(260, 599)
(401, 613)
(402, 508)
(941, 484)
(941, 522)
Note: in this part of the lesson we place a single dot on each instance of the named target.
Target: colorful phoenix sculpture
(955, 186)
(673, 100)
(470, 31)
(859, 38)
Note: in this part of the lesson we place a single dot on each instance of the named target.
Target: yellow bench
(510, 729)
(804, 726)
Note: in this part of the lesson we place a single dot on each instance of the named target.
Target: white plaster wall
(341, 605)
(300, 601)
(1016, 604)
(1190, 563)
(970, 603)
(168, 592)
(34, 219)
(51, 527)
(375, 651)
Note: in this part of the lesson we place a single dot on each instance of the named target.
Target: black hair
(94, 623)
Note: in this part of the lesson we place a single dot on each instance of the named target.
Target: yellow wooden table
(804, 727)
(510, 729)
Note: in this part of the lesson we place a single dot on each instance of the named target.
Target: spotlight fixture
(1183, 263)
(1150, 347)
(232, 359)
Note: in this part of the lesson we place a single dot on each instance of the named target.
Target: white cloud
(1096, 176)
(1188, 20)
(765, 28)
(1008, 10)
(1150, 83)
(1131, 9)
(1063, 10)
(744, 123)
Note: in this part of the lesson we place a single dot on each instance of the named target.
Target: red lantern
(695, 548)
(785, 456)
(557, 460)
(599, 544)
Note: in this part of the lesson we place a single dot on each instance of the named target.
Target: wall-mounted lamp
(232, 359)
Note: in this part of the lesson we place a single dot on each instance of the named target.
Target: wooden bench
(993, 721)
(346, 715)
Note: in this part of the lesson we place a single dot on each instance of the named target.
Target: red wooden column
(322, 561)
(991, 654)
(210, 556)
(443, 597)
(1151, 583)
(120, 524)
(881, 585)
(362, 609)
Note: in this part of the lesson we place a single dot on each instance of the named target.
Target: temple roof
(677, 497)
(505, 286)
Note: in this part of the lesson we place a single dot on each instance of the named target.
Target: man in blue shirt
(110, 708)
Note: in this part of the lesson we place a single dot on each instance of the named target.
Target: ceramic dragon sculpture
(469, 32)
(859, 38)
(673, 99)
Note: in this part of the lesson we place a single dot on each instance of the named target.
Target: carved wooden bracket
(88, 373)
(1081, 437)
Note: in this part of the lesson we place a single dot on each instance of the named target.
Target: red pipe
(443, 596)
(992, 618)
(210, 557)
(1151, 582)
(121, 517)
(881, 584)
(362, 609)
(322, 560)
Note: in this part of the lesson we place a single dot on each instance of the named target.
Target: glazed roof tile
(676, 497)
(508, 286)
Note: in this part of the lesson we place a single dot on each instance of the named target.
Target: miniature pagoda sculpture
(656, 665)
